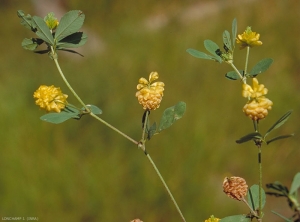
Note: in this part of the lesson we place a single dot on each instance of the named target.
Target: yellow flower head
(51, 21)
(258, 105)
(150, 93)
(248, 38)
(256, 91)
(212, 219)
(257, 109)
(50, 98)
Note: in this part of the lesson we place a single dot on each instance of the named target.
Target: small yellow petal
(143, 81)
(153, 76)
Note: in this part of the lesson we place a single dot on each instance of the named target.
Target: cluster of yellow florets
(50, 98)
(248, 38)
(150, 93)
(258, 105)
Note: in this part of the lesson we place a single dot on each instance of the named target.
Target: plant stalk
(113, 128)
(247, 59)
(54, 55)
(165, 185)
(83, 104)
(237, 71)
(143, 147)
(260, 182)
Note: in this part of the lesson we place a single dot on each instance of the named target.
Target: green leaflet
(232, 75)
(171, 115)
(253, 197)
(249, 137)
(200, 55)
(261, 67)
(74, 40)
(227, 40)
(57, 118)
(212, 47)
(236, 218)
(43, 30)
(279, 122)
(295, 184)
(70, 23)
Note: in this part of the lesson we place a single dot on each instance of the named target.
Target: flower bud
(51, 21)
(235, 187)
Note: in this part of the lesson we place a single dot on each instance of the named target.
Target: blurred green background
(83, 171)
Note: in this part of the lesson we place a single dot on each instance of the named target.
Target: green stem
(66, 81)
(260, 182)
(143, 147)
(247, 59)
(252, 211)
(237, 71)
(145, 124)
(113, 128)
(83, 104)
(165, 185)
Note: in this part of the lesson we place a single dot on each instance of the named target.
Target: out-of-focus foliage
(82, 171)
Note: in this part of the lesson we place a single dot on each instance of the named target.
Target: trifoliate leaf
(70, 23)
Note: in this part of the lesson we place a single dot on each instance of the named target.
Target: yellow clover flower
(258, 108)
(254, 92)
(50, 98)
(248, 38)
(150, 93)
(258, 105)
(212, 219)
